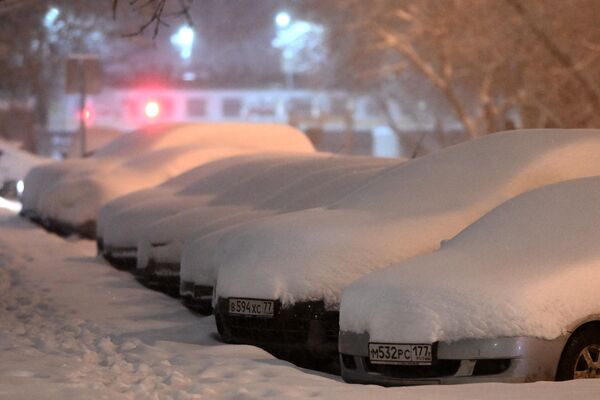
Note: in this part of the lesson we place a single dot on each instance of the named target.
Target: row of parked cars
(475, 263)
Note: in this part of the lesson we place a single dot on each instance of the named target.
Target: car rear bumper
(512, 359)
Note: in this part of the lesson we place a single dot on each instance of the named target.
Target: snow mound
(404, 212)
(74, 191)
(527, 268)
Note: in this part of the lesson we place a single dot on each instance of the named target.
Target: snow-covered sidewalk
(73, 327)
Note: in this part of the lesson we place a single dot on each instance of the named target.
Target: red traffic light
(86, 115)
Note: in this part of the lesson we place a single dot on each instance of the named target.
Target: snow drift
(402, 213)
(528, 268)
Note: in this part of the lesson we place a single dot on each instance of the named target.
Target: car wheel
(581, 357)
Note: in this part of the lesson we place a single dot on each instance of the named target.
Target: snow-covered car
(512, 298)
(14, 165)
(122, 221)
(198, 256)
(279, 280)
(96, 137)
(298, 184)
(217, 192)
(68, 194)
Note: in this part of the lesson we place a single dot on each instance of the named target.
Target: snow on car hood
(239, 188)
(75, 197)
(528, 268)
(73, 192)
(121, 221)
(285, 188)
(266, 192)
(201, 252)
(404, 212)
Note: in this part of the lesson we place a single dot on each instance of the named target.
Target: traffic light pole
(82, 98)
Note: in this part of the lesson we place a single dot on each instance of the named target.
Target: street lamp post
(282, 21)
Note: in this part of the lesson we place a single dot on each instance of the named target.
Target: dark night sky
(233, 41)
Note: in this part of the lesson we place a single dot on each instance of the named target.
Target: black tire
(571, 357)
(99, 246)
(220, 328)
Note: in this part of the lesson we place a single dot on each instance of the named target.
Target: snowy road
(73, 327)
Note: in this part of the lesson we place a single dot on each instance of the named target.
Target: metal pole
(82, 93)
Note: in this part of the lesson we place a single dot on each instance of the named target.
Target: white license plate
(400, 354)
(263, 308)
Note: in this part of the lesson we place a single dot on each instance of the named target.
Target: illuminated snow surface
(73, 327)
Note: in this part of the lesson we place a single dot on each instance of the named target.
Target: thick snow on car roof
(76, 195)
(284, 181)
(528, 268)
(73, 192)
(198, 259)
(239, 135)
(293, 186)
(173, 194)
(400, 214)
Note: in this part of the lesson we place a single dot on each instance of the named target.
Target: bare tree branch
(442, 82)
(553, 48)
(158, 14)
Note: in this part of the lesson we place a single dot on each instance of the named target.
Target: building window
(338, 106)
(374, 108)
(232, 107)
(299, 107)
(262, 108)
(196, 107)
